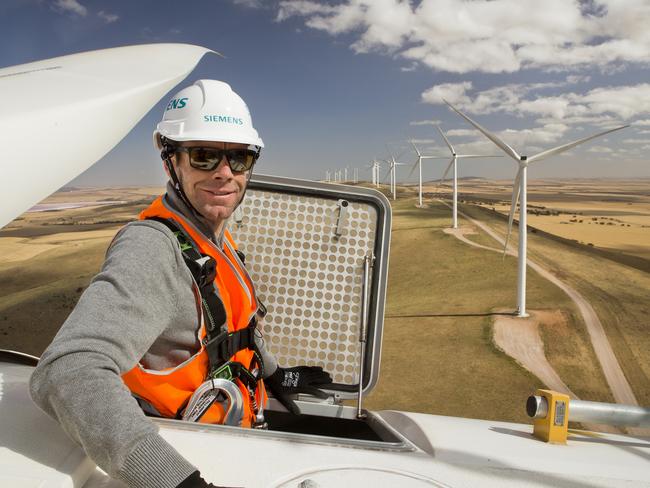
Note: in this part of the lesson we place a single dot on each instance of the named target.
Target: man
(169, 324)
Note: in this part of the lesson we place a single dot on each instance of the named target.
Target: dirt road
(519, 338)
(613, 373)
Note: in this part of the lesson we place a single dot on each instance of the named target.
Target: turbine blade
(414, 147)
(569, 145)
(413, 168)
(444, 175)
(507, 149)
(400, 154)
(451, 148)
(513, 206)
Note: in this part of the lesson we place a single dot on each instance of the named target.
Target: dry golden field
(613, 215)
(438, 355)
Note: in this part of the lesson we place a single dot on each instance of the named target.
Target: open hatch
(318, 256)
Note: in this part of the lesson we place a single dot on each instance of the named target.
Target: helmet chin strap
(166, 155)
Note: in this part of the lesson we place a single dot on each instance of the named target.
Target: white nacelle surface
(445, 451)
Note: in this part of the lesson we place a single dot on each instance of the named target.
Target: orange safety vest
(169, 390)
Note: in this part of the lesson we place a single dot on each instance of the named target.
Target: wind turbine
(519, 191)
(418, 163)
(392, 165)
(454, 163)
(374, 167)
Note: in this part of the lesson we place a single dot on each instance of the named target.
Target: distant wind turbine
(519, 191)
(418, 163)
(392, 165)
(454, 163)
(374, 167)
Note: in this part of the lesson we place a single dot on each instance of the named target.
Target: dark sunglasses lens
(204, 158)
(241, 159)
(207, 159)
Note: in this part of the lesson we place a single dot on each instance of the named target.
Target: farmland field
(443, 295)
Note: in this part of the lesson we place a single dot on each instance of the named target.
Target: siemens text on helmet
(176, 103)
(223, 118)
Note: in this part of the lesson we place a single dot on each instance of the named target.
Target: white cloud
(546, 135)
(643, 131)
(600, 149)
(248, 3)
(303, 9)
(107, 17)
(425, 122)
(452, 92)
(636, 141)
(424, 141)
(70, 6)
(624, 101)
(597, 120)
(411, 67)
(574, 79)
(462, 36)
(643, 123)
(461, 133)
(602, 106)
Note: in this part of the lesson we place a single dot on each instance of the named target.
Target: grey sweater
(139, 308)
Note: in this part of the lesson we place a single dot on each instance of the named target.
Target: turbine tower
(519, 191)
(418, 163)
(454, 163)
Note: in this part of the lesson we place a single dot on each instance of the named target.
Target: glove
(195, 481)
(301, 379)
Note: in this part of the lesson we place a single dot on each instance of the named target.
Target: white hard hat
(209, 110)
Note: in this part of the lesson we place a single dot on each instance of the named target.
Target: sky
(332, 84)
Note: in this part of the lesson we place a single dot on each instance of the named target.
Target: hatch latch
(342, 217)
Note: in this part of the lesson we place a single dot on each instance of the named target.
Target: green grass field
(445, 361)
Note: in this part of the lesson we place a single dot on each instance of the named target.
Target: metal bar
(594, 412)
(363, 329)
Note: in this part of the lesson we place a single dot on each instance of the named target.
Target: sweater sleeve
(117, 319)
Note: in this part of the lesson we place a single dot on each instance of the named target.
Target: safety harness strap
(223, 346)
(219, 343)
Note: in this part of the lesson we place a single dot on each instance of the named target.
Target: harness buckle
(204, 270)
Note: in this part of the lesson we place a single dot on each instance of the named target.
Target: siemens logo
(176, 103)
(223, 118)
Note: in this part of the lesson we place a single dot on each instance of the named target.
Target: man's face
(216, 193)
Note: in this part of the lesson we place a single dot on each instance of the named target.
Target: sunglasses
(208, 158)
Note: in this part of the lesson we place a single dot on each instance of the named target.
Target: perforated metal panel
(307, 266)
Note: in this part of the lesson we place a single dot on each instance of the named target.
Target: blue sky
(330, 83)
